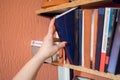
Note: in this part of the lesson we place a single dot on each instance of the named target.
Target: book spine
(80, 36)
(83, 38)
(95, 37)
(111, 34)
(76, 55)
(105, 39)
(115, 48)
(101, 13)
(87, 36)
(92, 39)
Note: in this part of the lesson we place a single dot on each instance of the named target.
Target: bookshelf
(89, 71)
(83, 4)
(66, 6)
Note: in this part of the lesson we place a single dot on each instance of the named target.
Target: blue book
(76, 55)
(65, 26)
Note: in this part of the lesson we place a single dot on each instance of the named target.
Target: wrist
(41, 55)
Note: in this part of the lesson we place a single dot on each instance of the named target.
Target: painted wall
(18, 26)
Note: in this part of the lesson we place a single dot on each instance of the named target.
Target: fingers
(51, 29)
(62, 44)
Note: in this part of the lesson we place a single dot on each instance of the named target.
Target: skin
(30, 69)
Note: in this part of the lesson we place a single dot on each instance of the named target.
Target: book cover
(87, 36)
(65, 26)
(115, 48)
(101, 13)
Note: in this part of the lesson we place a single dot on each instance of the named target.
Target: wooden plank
(90, 71)
(53, 3)
(90, 76)
(72, 4)
(94, 72)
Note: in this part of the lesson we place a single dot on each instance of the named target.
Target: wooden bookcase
(84, 72)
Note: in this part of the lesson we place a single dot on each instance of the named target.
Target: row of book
(93, 37)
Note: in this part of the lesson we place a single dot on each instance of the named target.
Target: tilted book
(65, 26)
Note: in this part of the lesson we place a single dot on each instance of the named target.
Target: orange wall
(18, 26)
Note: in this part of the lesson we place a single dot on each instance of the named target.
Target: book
(115, 48)
(107, 21)
(65, 26)
(87, 33)
(101, 13)
(76, 55)
(80, 36)
(111, 34)
(94, 36)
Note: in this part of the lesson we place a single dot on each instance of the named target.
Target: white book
(105, 30)
(83, 39)
(92, 37)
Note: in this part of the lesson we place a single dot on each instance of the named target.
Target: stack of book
(93, 37)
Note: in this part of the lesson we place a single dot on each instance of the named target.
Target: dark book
(101, 13)
(115, 48)
(80, 35)
(76, 55)
(65, 26)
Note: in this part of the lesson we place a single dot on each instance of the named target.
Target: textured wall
(18, 26)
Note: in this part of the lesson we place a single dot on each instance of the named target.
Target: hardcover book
(65, 26)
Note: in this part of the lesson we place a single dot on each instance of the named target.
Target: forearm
(29, 71)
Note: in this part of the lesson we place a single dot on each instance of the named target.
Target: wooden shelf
(90, 71)
(82, 4)
(65, 6)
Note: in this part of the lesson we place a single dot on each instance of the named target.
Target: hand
(48, 47)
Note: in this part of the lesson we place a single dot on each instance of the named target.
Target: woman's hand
(48, 47)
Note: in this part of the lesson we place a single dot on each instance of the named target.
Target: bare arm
(29, 71)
